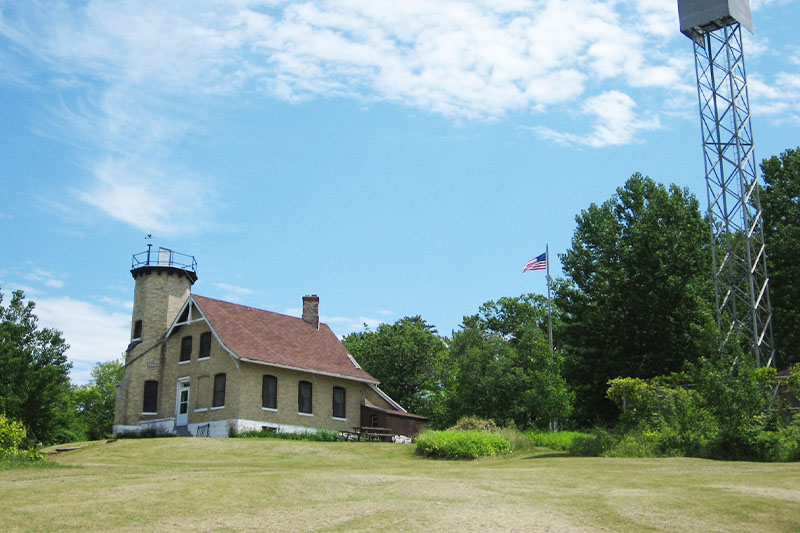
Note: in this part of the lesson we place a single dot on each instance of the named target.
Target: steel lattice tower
(741, 282)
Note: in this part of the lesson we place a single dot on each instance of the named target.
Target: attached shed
(400, 422)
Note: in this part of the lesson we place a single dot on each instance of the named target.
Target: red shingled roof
(282, 340)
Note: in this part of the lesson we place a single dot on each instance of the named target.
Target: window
(137, 329)
(373, 421)
(269, 392)
(304, 397)
(205, 345)
(202, 395)
(150, 397)
(186, 349)
(339, 410)
(219, 391)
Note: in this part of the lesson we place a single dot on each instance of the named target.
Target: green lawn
(254, 484)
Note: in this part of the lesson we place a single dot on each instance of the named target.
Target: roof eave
(308, 370)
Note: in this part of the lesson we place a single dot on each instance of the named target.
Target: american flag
(537, 263)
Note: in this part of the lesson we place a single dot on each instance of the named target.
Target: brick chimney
(311, 309)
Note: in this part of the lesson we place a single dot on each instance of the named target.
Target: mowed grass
(265, 484)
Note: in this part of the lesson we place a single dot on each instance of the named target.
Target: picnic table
(368, 433)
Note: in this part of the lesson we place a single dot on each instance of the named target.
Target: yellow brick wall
(243, 387)
(287, 411)
(200, 390)
(158, 296)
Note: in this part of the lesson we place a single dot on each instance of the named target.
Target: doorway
(182, 403)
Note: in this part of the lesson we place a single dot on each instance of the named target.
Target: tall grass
(320, 435)
(19, 462)
(462, 444)
(555, 440)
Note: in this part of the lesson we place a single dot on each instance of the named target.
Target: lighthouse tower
(163, 281)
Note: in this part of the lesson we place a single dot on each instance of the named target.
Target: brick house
(200, 363)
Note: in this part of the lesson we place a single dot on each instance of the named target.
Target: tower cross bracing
(741, 282)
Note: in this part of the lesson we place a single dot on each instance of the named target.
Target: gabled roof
(265, 337)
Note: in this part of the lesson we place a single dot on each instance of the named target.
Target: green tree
(503, 368)
(407, 357)
(94, 402)
(34, 372)
(637, 298)
(780, 201)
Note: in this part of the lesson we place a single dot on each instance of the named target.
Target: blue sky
(395, 158)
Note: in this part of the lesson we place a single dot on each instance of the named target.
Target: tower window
(137, 329)
(205, 345)
(186, 349)
(150, 397)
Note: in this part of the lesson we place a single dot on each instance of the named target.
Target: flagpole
(549, 305)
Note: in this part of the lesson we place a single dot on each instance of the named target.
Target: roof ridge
(253, 308)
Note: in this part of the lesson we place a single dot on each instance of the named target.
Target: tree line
(636, 302)
(35, 389)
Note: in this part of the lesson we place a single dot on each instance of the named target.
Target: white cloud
(145, 195)
(93, 332)
(232, 292)
(135, 76)
(342, 326)
(43, 276)
(615, 122)
(26, 289)
(471, 59)
(779, 100)
(126, 305)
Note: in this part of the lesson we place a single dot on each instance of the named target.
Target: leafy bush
(594, 444)
(147, 433)
(471, 423)
(555, 440)
(320, 435)
(720, 408)
(12, 436)
(459, 444)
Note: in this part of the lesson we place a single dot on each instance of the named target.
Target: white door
(182, 404)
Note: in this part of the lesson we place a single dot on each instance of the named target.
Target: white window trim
(305, 414)
(203, 358)
(340, 419)
(201, 410)
(185, 362)
(270, 409)
(217, 408)
(148, 413)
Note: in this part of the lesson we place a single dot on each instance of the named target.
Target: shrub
(518, 441)
(459, 444)
(12, 437)
(471, 423)
(147, 433)
(556, 440)
(320, 435)
(594, 444)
